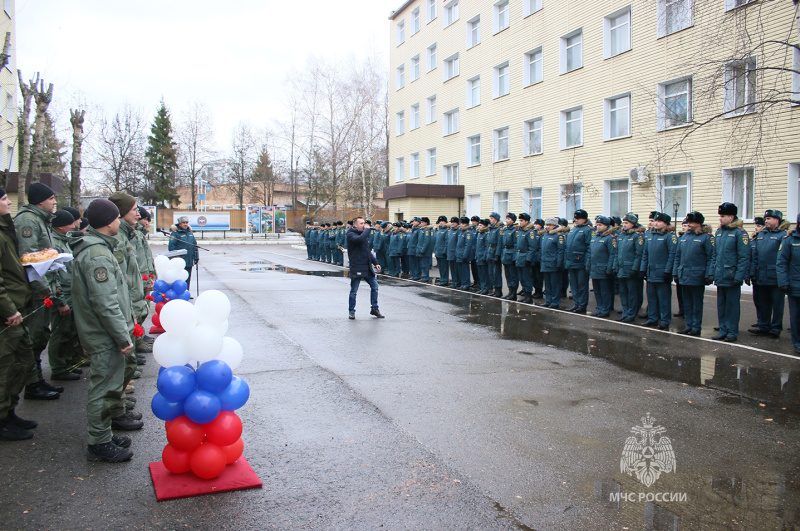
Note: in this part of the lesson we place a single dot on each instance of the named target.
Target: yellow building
(544, 107)
(8, 92)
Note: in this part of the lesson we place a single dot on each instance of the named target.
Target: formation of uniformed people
(84, 315)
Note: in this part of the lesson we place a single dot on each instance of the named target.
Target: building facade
(8, 91)
(545, 107)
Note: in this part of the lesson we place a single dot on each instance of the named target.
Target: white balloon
(212, 306)
(161, 263)
(222, 327)
(176, 264)
(183, 275)
(232, 353)
(168, 275)
(205, 343)
(178, 317)
(170, 350)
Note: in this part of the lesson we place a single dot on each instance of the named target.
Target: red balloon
(208, 461)
(167, 424)
(184, 434)
(225, 429)
(156, 319)
(175, 460)
(159, 305)
(234, 451)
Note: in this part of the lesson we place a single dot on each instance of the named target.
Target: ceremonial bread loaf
(39, 256)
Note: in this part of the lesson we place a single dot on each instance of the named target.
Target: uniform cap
(758, 221)
(580, 214)
(666, 218)
(101, 213)
(525, 216)
(728, 209)
(695, 217)
(551, 221)
(495, 215)
(512, 216)
(631, 218)
(774, 214)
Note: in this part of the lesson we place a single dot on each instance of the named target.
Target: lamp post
(676, 206)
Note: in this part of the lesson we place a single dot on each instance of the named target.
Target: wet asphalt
(457, 411)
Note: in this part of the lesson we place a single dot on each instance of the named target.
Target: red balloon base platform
(156, 330)
(237, 476)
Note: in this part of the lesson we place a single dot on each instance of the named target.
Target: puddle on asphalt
(266, 265)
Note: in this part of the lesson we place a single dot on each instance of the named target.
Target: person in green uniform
(16, 357)
(146, 257)
(103, 316)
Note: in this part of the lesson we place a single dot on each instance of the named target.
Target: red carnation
(145, 277)
(138, 331)
(48, 303)
(152, 276)
(149, 298)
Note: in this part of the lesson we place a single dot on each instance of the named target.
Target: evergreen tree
(162, 156)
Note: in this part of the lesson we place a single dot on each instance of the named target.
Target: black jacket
(361, 259)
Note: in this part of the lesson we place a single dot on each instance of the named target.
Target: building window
(430, 161)
(400, 80)
(414, 118)
(474, 32)
(533, 137)
(7, 7)
(617, 194)
(500, 16)
(450, 122)
(500, 203)
(530, 7)
(675, 187)
(10, 158)
(399, 169)
(400, 123)
(430, 110)
(450, 12)
(740, 87)
(473, 92)
(533, 67)
(617, 117)
(414, 166)
(532, 202)
(737, 188)
(450, 175)
(733, 4)
(401, 32)
(617, 32)
(451, 67)
(431, 10)
(572, 51)
(796, 75)
(9, 107)
(674, 15)
(570, 200)
(572, 128)
(500, 137)
(473, 205)
(674, 103)
(415, 21)
(473, 150)
(501, 80)
(415, 68)
(794, 189)
(431, 57)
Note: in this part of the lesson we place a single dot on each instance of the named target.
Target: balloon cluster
(203, 432)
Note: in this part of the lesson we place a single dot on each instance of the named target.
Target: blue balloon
(157, 296)
(171, 295)
(161, 286)
(179, 286)
(186, 295)
(214, 376)
(164, 409)
(235, 395)
(176, 383)
(201, 407)
(161, 369)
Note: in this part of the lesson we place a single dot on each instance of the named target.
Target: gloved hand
(709, 281)
(747, 281)
(784, 289)
(634, 273)
(675, 278)
(737, 283)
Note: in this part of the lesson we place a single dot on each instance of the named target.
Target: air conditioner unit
(639, 174)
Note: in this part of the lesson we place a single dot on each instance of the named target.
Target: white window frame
(450, 122)
(529, 7)
(430, 57)
(415, 21)
(471, 200)
(401, 32)
(450, 67)
(414, 166)
(399, 169)
(732, 90)
(431, 10)
(530, 126)
(450, 174)
(565, 49)
(662, 109)
(607, 111)
(663, 7)
(400, 77)
(414, 64)
(530, 59)
(7, 8)
(563, 127)
(450, 13)
(661, 193)
(531, 195)
(500, 139)
(400, 123)
(473, 92)
(501, 18)
(569, 192)
(473, 146)
(413, 122)
(793, 203)
(608, 29)
(501, 197)
(430, 110)
(607, 192)
(502, 80)
(796, 75)
(473, 31)
(747, 208)
(735, 4)
(430, 161)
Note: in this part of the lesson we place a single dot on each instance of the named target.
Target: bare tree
(76, 119)
(25, 127)
(240, 162)
(195, 134)
(42, 98)
(5, 56)
(121, 151)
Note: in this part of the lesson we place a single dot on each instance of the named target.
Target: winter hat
(539, 221)
(551, 221)
(84, 223)
(62, 219)
(495, 215)
(39, 192)
(758, 221)
(581, 214)
(666, 218)
(630, 217)
(2, 192)
(525, 216)
(123, 201)
(728, 209)
(101, 213)
(695, 217)
(74, 211)
(454, 219)
(441, 218)
(512, 216)
(563, 222)
(774, 214)
(605, 220)
(653, 214)
(425, 219)
(475, 218)
(465, 220)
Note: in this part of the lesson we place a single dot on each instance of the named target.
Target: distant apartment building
(612, 106)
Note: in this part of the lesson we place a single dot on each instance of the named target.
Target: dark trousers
(476, 276)
(394, 265)
(525, 274)
(495, 273)
(579, 284)
(769, 302)
(603, 294)
(339, 256)
(794, 319)
(189, 280)
(463, 274)
(373, 294)
(309, 250)
(629, 297)
(483, 276)
(679, 291)
(315, 251)
(659, 302)
(383, 261)
(564, 282)
(693, 306)
(639, 294)
(455, 272)
(552, 288)
(404, 264)
(512, 278)
(538, 279)
(38, 325)
(728, 310)
(425, 263)
(413, 266)
(444, 270)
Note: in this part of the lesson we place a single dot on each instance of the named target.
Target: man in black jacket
(361, 266)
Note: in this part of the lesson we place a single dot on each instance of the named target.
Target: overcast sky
(232, 55)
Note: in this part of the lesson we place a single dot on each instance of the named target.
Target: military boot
(35, 391)
(108, 452)
(498, 292)
(50, 387)
(142, 347)
(21, 423)
(11, 432)
(126, 422)
(511, 296)
(526, 298)
(537, 294)
(140, 360)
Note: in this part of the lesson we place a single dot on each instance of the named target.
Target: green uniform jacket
(15, 291)
(100, 292)
(128, 240)
(33, 234)
(146, 256)
(64, 278)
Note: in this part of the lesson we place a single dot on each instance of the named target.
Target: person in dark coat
(362, 262)
(184, 239)
(630, 251)
(657, 264)
(732, 267)
(693, 269)
(788, 272)
(768, 299)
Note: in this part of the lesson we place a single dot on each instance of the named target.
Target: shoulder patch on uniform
(101, 274)
(745, 239)
(27, 232)
(119, 255)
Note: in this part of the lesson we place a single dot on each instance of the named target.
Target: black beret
(74, 211)
(695, 217)
(580, 214)
(38, 192)
(512, 216)
(101, 213)
(666, 218)
(728, 209)
(63, 218)
(525, 216)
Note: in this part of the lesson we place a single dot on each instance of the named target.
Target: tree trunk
(24, 123)
(43, 100)
(76, 119)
